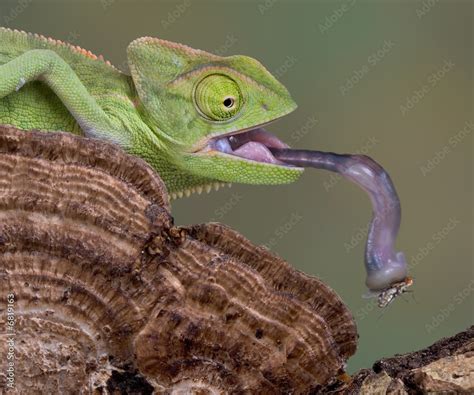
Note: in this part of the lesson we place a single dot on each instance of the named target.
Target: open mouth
(252, 145)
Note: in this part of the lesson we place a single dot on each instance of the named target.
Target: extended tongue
(385, 266)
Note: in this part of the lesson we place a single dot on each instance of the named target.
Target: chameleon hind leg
(47, 66)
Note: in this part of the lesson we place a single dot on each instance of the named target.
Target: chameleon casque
(195, 117)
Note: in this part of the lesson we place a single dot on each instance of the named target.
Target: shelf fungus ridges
(110, 297)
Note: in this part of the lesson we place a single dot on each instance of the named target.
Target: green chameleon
(169, 111)
(195, 117)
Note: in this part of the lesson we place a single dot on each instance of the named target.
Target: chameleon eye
(218, 97)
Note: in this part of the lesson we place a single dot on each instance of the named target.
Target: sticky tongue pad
(251, 145)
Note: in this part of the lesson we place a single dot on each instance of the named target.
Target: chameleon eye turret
(218, 97)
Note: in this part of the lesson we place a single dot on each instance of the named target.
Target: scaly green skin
(165, 112)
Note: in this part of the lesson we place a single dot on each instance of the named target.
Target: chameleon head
(207, 111)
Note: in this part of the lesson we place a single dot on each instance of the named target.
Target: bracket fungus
(110, 297)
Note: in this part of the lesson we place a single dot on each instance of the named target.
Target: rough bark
(446, 366)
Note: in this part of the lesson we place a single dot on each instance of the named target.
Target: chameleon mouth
(253, 145)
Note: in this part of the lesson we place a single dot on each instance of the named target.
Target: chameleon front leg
(47, 66)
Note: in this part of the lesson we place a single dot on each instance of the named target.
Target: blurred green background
(392, 79)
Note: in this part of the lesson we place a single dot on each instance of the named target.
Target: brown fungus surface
(110, 297)
(282, 277)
